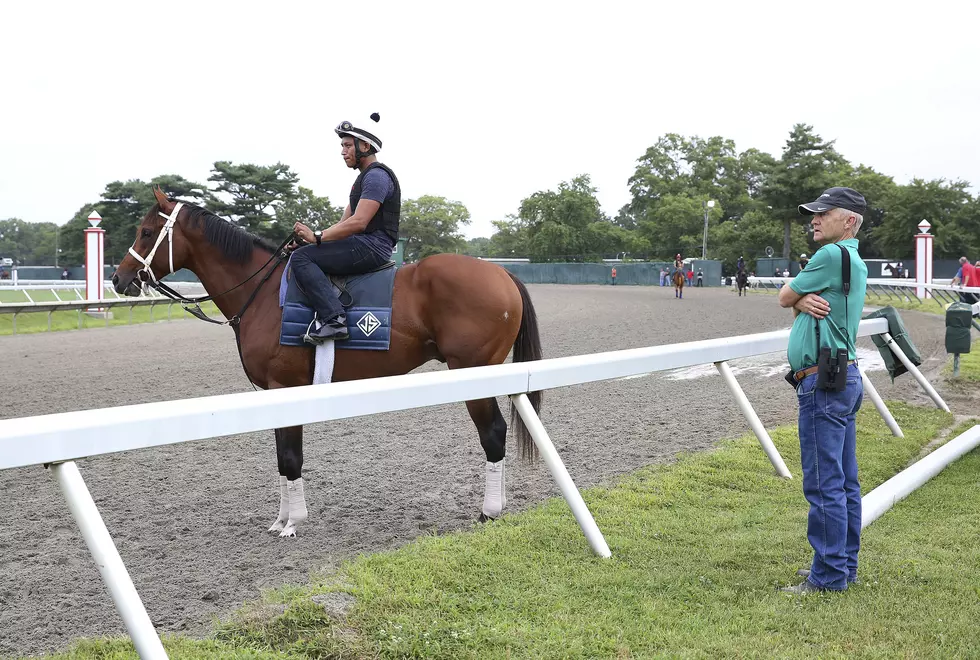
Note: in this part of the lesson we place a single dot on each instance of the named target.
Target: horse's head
(158, 249)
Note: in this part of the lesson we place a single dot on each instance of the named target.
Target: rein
(279, 256)
(193, 305)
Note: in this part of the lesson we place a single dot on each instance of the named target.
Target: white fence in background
(69, 298)
(59, 440)
(891, 289)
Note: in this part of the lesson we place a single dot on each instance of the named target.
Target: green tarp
(901, 337)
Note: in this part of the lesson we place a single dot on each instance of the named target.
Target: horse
(678, 278)
(456, 309)
(742, 282)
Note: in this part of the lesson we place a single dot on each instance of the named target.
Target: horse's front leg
(292, 498)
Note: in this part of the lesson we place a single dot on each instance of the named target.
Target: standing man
(803, 261)
(700, 277)
(363, 240)
(969, 278)
(826, 319)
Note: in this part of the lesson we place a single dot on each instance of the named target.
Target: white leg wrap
(283, 507)
(297, 507)
(495, 498)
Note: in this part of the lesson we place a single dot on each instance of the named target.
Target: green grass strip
(29, 323)
(699, 549)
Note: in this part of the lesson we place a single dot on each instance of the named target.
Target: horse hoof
(289, 531)
(276, 527)
(484, 518)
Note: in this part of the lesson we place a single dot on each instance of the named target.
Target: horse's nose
(115, 280)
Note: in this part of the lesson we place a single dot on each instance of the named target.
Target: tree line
(750, 199)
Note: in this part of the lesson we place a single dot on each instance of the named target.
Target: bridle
(149, 279)
(193, 305)
(145, 274)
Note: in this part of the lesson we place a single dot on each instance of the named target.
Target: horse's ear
(165, 204)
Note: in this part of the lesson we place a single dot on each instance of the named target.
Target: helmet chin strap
(167, 232)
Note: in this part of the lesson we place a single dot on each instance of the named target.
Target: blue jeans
(347, 256)
(830, 478)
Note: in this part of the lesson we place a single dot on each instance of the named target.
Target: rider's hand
(813, 305)
(304, 232)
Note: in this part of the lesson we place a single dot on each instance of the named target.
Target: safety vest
(389, 213)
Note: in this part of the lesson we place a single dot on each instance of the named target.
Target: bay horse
(447, 307)
(678, 283)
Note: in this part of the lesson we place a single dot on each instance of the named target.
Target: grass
(969, 365)
(699, 547)
(69, 320)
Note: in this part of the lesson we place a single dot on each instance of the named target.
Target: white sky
(480, 103)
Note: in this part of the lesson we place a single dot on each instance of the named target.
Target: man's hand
(304, 232)
(813, 305)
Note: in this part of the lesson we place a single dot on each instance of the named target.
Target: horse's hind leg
(292, 498)
(492, 427)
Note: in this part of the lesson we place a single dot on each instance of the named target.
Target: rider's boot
(334, 329)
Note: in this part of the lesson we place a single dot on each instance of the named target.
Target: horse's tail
(527, 347)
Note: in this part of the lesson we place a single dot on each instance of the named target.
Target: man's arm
(353, 224)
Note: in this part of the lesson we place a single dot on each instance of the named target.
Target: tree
(807, 167)
(257, 192)
(432, 225)
(28, 243)
(477, 247)
(677, 225)
(947, 206)
(312, 211)
(554, 222)
(509, 240)
(878, 190)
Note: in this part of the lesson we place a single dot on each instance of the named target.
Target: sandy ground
(190, 520)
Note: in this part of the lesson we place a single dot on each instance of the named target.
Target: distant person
(803, 261)
(690, 277)
(740, 266)
(64, 274)
(969, 279)
(700, 277)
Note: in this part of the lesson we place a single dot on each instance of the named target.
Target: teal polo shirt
(823, 277)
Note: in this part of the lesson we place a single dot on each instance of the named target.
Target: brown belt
(803, 373)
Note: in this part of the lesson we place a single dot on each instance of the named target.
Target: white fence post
(107, 558)
(886, 414)
(933, 394)
(884, 497)
(754, 421)
(558, 471)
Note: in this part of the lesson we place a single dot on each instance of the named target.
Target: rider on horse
(679, 265)
(741, 265)
(363, 240)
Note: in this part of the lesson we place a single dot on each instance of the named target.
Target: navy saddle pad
(367, 303)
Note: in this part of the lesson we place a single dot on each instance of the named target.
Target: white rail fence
(58, 440)
(891, 289)
(69, 298)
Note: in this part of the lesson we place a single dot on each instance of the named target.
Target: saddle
(367, 301)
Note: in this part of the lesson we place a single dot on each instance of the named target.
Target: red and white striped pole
(94, 261)
(923, 259)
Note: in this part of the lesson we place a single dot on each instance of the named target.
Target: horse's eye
(147, 233)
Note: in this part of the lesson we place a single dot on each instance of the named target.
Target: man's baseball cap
(836, 198)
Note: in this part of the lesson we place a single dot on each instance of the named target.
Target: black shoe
(335, 329)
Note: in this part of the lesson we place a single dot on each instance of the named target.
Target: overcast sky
(483, 103)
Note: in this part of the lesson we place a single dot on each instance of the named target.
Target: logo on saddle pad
(368, 324)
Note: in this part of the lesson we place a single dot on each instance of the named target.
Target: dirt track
(190, 520)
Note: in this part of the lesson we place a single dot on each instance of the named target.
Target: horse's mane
(234, 242)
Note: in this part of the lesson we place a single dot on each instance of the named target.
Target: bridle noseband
(148, 278)
(145, 274)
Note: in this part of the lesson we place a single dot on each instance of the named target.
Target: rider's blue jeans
(830, 478)
(310, 264)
